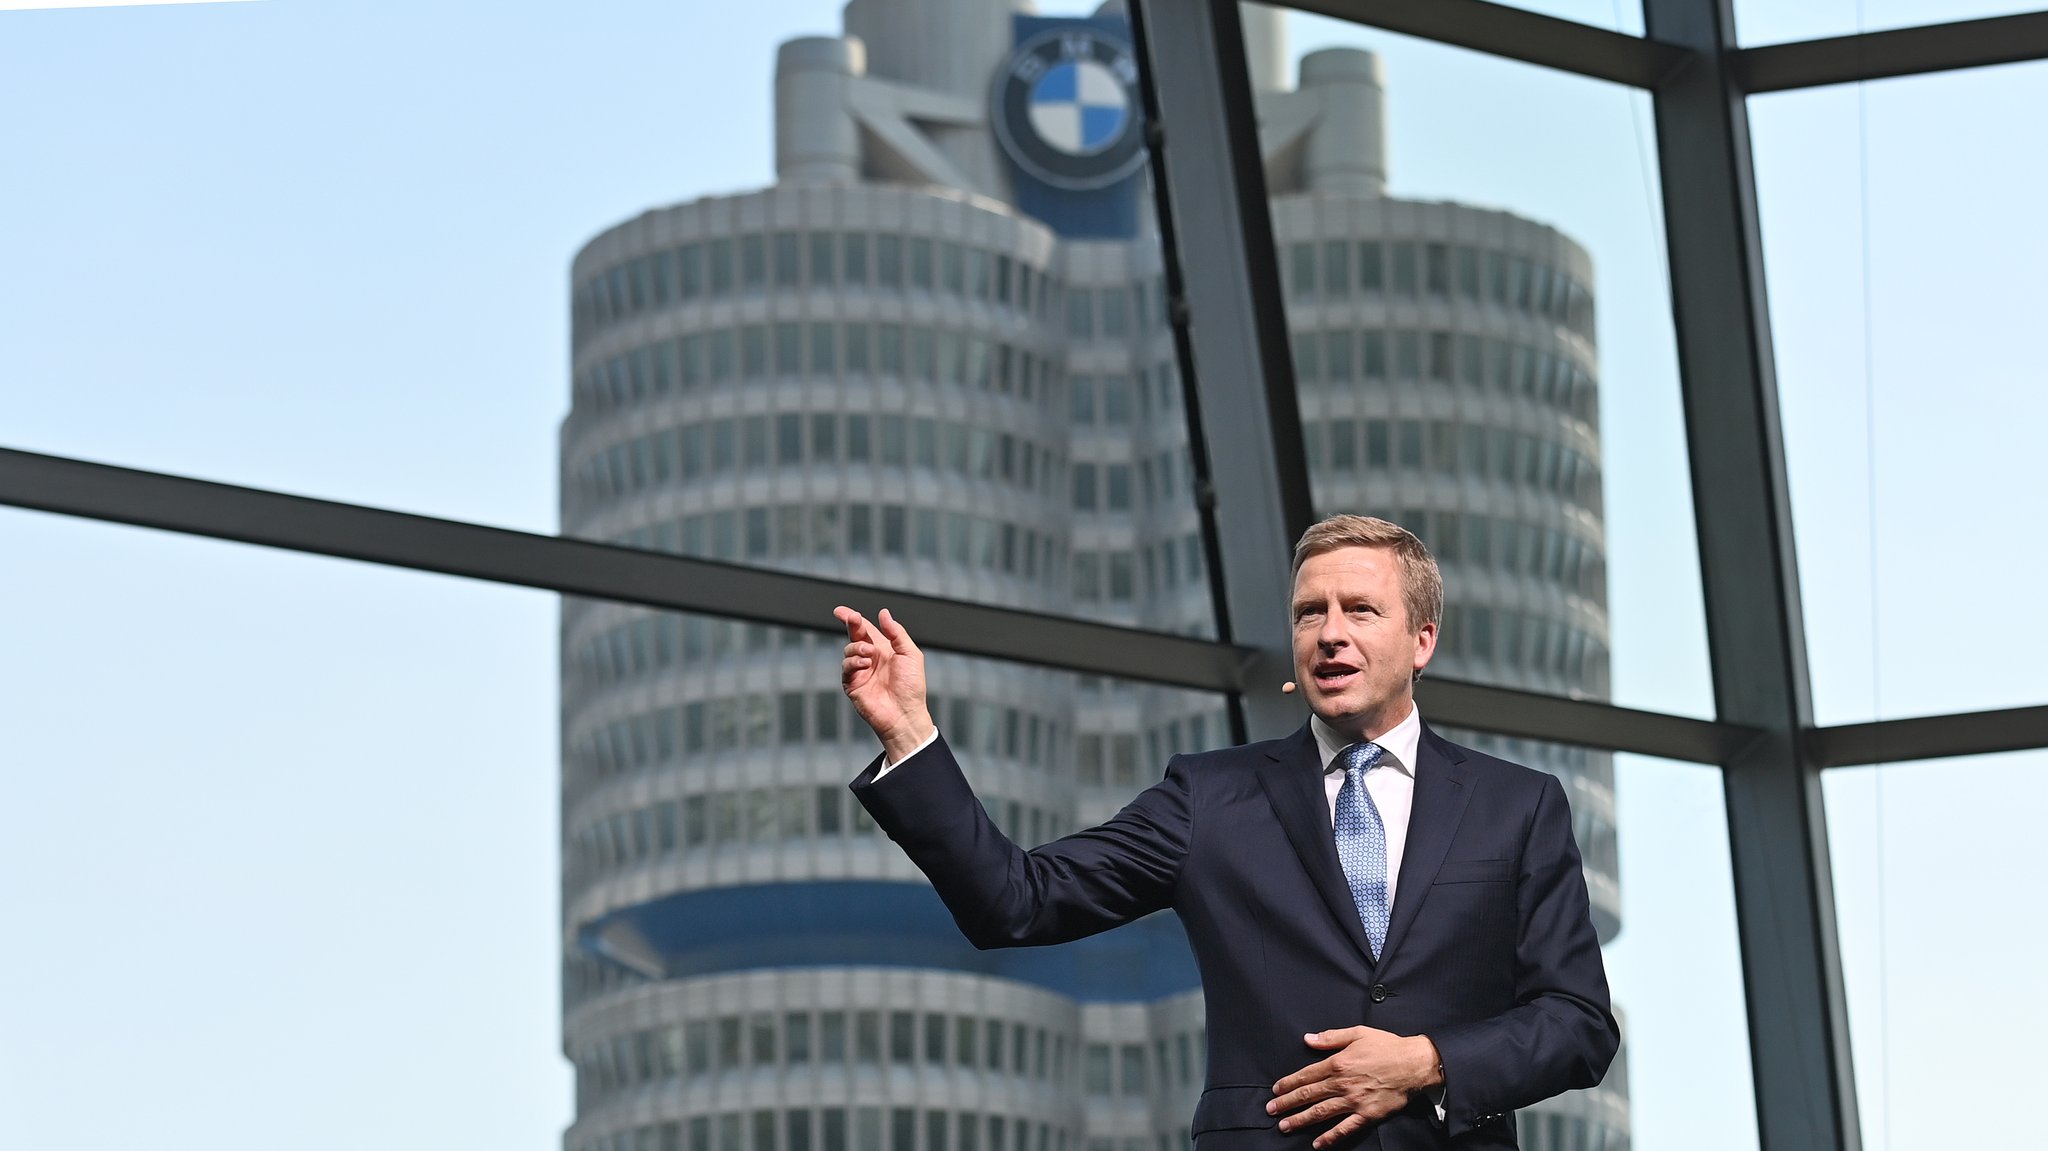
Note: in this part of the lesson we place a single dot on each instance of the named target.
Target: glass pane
(1483, 345)
(1676, 965)
(1933, 854)
(1764, 22)
(1903, 274)
(279, 841)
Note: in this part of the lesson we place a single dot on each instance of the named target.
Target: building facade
(933, 356)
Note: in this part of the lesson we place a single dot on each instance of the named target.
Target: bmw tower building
(933, 357)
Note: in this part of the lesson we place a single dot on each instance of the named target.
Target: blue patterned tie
(1362, 842)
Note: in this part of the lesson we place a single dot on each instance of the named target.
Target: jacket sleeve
(1004, 896)
(1561, 1035)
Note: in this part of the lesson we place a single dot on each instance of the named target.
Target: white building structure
(933, 356)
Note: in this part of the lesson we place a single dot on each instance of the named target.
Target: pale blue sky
(277, 833)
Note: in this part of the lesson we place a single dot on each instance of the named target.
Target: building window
(1370, 271)
(1468, 272)
(1337, 268)
(1438, 269)
(1081, 392)
(1405, 274)
(1410, 444)
(889, 350)
(1407, 355)
(855, 253)
(887, 261)
(857, 349)
(690, 265)
(1081, 313)
(1118, 487)
(796, 1036)
(721, 260)
(1302, 261)
(1115, 313)
(722, 358)
(977, 273)
(1343, 445)
(788, 349)
(754, 351)
(753, 263)
(921, 263)
(952, 269)
(1096, 1079)
(788, 261)
(1440, 356)
(1375, 355)
(1308, 364)
(1116, 400)
(1337, 355)
(824, 272)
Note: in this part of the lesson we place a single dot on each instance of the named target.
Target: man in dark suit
(1393, 931)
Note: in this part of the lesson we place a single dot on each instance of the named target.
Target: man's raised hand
(883, 674)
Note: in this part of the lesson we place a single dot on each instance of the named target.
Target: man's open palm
(883, 674)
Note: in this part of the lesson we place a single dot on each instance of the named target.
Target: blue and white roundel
(1079, 107)
(1066, 107)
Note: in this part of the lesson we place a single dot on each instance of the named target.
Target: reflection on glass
(1904, 263)
(1937, 857)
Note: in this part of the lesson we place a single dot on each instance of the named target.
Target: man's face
(1355, 655)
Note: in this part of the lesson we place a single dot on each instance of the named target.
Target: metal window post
(1244, 428)
(1784, 897)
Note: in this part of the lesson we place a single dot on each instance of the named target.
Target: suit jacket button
(1379, 993)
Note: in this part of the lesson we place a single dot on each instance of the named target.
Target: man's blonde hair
(1422, 585)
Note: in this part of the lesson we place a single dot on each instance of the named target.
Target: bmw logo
(1066, 107)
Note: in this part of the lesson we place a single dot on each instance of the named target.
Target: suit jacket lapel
(1442, 788)
(1294, 786)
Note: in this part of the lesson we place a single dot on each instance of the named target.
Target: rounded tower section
(866, 382)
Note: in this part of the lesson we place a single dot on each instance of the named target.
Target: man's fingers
(1313, 1073)
(863, 639)
(1301, 1097)
(894, 632)
(1321, 1112)
(856, 624)
(1341, 1037)
(1344, 1129)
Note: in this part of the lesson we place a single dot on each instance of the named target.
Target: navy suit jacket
(1491, 951)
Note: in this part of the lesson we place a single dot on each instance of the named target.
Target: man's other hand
(1368, 1078)
(883, 674)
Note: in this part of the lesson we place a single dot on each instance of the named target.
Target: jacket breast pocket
(1476, 871)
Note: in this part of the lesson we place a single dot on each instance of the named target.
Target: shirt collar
(1400, 742)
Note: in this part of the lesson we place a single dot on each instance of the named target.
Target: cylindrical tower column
(1265, 47)
(816, 141)
(1347, 150)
